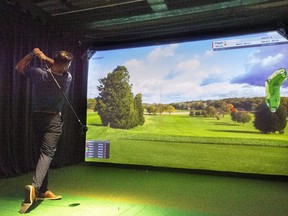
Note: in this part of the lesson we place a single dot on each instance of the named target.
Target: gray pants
(48, 129)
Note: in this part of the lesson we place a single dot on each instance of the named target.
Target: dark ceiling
(104, 24)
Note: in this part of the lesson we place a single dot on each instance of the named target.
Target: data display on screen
(97, 149)
(266, 40)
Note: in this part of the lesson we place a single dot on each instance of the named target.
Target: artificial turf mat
(89, 189)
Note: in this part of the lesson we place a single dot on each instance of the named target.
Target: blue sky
(192, 70)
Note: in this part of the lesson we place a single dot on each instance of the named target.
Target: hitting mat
(88, 189)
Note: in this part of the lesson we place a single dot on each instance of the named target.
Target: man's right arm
(20, 66)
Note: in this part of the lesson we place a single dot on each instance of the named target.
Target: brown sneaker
(48, 195)
(29, 198)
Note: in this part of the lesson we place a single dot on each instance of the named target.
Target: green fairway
(181, 141)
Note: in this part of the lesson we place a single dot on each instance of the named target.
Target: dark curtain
(19, 34)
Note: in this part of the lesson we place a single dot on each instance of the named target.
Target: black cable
(84, 128)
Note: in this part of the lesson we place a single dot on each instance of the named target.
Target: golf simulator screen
(218, 104)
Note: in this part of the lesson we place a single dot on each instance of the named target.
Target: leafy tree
(224, 108)
(269, 122)
(91, 103)
(233, 116)
(139, 109)
(280, 121)
(240, 117)
(284, 102)
(115, 104)
(204, 113)
(210, 111)
(245, 117)
(170, 109)
(160, 108)
(151, 109)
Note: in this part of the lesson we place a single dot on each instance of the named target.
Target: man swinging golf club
(47, 120)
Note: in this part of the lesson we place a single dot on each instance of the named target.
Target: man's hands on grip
(20, 66)
(37, 52)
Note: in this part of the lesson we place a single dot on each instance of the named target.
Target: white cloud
(253, 58)
(272, 60)
(191, 64)
(162, 52)
(134, 64)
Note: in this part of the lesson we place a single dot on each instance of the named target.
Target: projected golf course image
(205, 90)
(180, 141)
